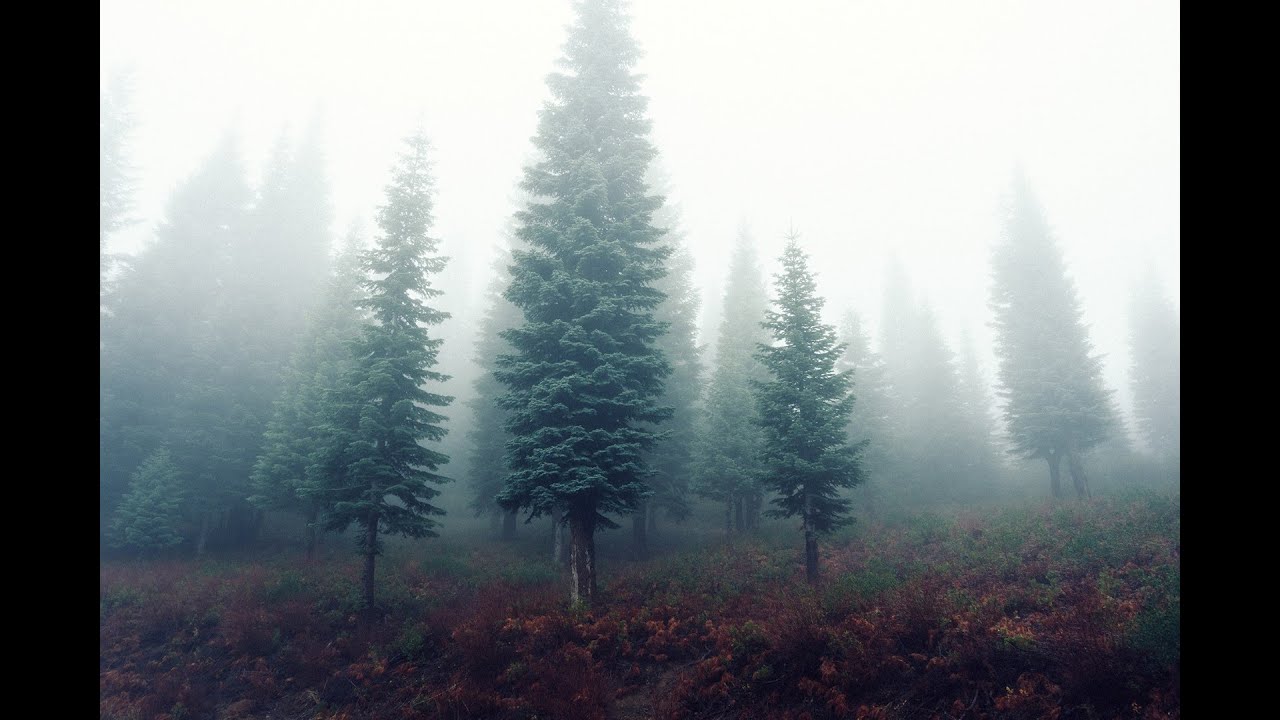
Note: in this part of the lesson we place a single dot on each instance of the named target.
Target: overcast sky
(874, 128)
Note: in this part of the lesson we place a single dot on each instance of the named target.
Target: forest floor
(1068, 610)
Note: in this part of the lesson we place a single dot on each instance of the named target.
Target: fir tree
(927, 407)
(116, 126)
(870, 423)
(672, 456)
(488, 435)
(726, 467)
(162, 380)
(804, 409)
(585, 372)
(1155, 342)
(148, 517)
(370, 467)
(1055, 404)
(323, 359)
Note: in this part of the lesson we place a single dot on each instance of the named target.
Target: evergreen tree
(489, 436)
(323, 359)
(927, 407)
(148, 517)
(585, 372)
(116, 126)
(160, 368)
(870, 423)
(981, 458)
(1055, 404)
(369, 467)
(672, 456)
(1155, 341)
(804, 410)
(727, 459)
(276, 273)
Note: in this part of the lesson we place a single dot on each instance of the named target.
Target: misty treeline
(252, 363)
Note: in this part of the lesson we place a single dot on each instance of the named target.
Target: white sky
(874, 127)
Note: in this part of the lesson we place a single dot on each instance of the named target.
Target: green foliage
(585, 373)
(148, 517)
(161, 374)
(488, 435)
(369, 466)
(1055, 403)
(115, 173)
(280, 473)
(727, 461)
(804, 408)
(1155, 341)
(672, 456)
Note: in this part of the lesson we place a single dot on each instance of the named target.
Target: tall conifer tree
(804, 410)
(727, 461)
(370, 467)
(1155, 375)
(585, 373)
(1055, 404)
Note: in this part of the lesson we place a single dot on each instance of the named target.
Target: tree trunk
(653, 520)
(1076, 467)
(582, 559)
(728, 517)
(1054, 458)
(557, 536)
(509, 526)
(810, 546)
(640, 548)
(370, 557)
(737, 515)
(312, 515)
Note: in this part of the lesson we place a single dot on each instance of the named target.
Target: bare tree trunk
(653, 520)
(640, 548)
(738, 521)
(1054, 458)
(1076, 467)
(370, 558)
(753, 510)
(557, 536)
(582, 559)
(810, 545)
(728, 517)
(509, 526)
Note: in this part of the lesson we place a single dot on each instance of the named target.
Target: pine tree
(672, 457)
(871, 419)
(323, 359)
(927, 407)
(161, 374)
(980, 460)
(1055, 404)
(370, 467)
(585, 372)
(488, 435)
(277, 271)
(1155, 342)
(726, 467)
(804, 409)
(116, 126)
(148, 517)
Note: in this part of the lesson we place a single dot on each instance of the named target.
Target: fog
(639, 358)
(876, 129)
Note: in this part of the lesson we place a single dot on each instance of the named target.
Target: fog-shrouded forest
(608, 359)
